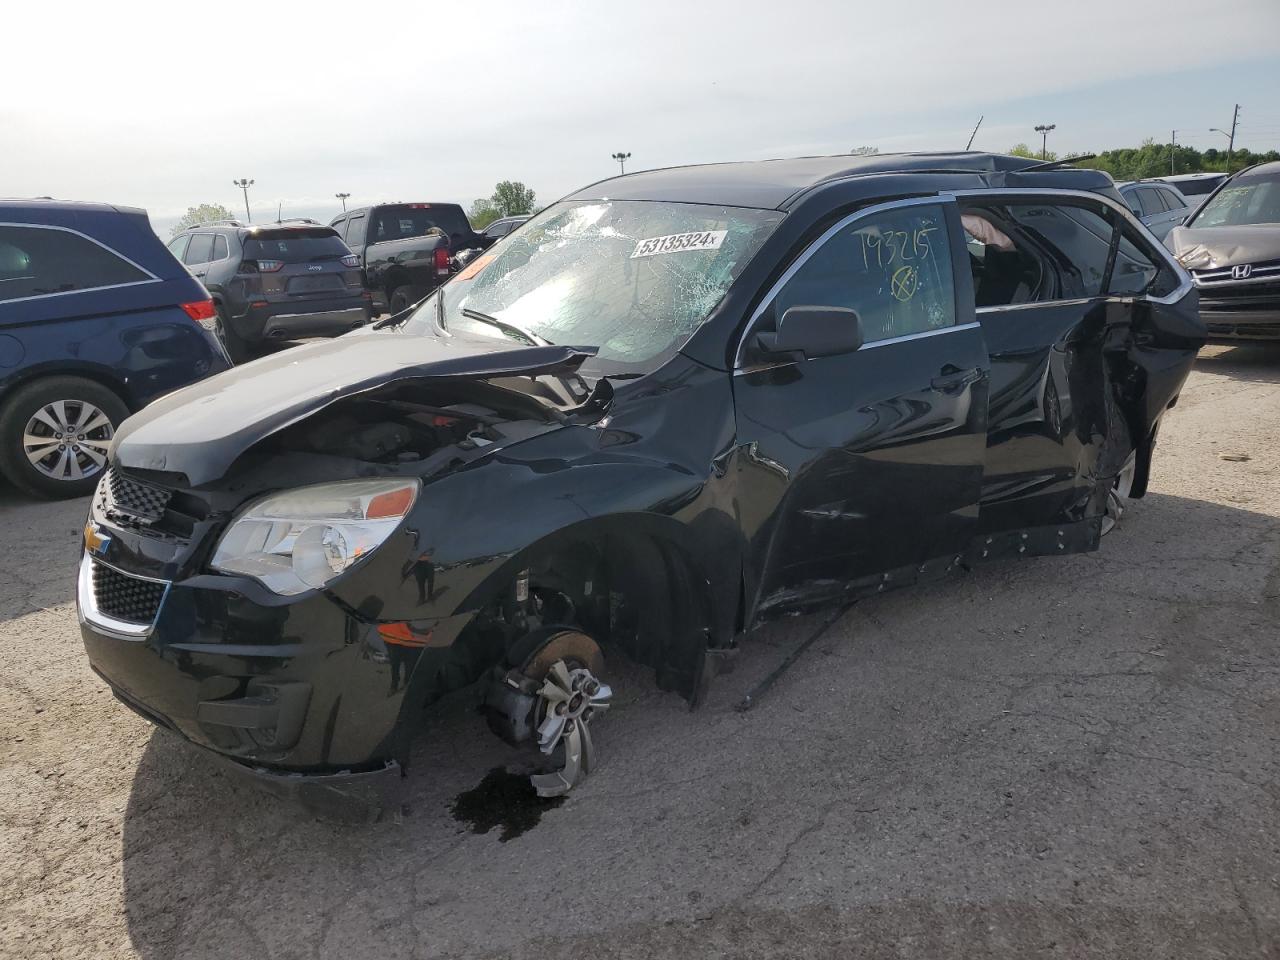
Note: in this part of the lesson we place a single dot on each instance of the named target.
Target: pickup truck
(406, 249)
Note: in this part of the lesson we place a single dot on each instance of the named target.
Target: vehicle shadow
(1256, 362)
(39, 568)
(941, 756)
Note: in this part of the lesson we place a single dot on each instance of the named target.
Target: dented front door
(853, 470)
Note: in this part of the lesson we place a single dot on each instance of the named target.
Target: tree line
(1151, 159)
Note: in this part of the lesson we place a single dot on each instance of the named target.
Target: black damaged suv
(669, 407)
(279, 281)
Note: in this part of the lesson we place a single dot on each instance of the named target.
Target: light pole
(244, 183)
(622, 159)
(1231, 137)
(343, 198)
(1043, 129)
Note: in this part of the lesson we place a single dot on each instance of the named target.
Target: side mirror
(814, 332)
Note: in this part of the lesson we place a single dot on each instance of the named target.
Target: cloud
(162, 105)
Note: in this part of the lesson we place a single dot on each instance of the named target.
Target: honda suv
(282, 281)
(96, 320)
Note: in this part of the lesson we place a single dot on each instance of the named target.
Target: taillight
(270, 266)
(351, 260)
(442, 262)
(202, 312)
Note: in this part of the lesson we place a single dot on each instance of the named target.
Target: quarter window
(894, 268)
(38, 261)
(1136, 272)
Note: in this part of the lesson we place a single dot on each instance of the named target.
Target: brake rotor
(567, 668)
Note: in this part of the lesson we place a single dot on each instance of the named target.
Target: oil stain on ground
(505, 800)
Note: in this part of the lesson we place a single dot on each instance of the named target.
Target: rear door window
(1172, 199)
(200, 250)
(355, 231)
(1152, 205)
(219, 247)
(894, 268)
(41, 261)
(1034, 252)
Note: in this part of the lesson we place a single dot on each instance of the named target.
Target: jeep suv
(279, 281)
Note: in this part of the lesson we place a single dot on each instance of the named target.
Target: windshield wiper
(397, 318)
(505, 327)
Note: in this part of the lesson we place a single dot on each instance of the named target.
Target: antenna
(969, 145)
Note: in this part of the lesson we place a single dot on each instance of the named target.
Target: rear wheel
(55, 433)
(237, 347)
(398, 299)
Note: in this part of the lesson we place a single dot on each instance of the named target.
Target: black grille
(1251, 293)
(129, 502)
(123, 597)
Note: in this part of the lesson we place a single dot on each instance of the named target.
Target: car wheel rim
(68, 440)
(569, 697)
(1118, 495)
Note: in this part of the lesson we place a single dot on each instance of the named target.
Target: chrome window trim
(767, 300)
(1184, 286)
(93, 240)
(919, 336)
(91, 616)
(1078, 301)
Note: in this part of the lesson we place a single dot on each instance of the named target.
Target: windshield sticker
(680, 242)
(475, 266)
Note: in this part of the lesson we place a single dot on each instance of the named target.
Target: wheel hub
(569, 697)
(68, 439)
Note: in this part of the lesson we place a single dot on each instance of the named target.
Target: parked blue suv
(97, 319)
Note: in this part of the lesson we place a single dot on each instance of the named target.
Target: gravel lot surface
(1058, 757)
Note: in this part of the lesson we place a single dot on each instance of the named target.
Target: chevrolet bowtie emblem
(95, 541)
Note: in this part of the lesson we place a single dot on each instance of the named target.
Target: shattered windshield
(1248, 200)
(632, 278)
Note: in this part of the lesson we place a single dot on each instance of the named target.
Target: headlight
(1197, 258)
(295, 541)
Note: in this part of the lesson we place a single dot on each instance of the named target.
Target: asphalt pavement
(1055, 757)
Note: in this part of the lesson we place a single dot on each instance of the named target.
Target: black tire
(20, 409)
(398, 299)
(238, 348)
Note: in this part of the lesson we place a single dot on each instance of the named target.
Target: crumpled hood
(1225, 246)
(199, 430)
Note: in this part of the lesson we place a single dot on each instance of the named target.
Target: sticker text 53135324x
(680, 242)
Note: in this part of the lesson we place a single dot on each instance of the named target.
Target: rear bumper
(314, 318)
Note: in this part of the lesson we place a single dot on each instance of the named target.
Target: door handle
(951, 379)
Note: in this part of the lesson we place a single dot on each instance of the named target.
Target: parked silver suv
(1160, 206)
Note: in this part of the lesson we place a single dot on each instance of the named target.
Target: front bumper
(1245, 310)
(298, 693)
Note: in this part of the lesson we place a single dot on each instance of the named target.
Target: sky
(162, 105)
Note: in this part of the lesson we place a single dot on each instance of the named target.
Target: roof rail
(216, 223)
(300, 220)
